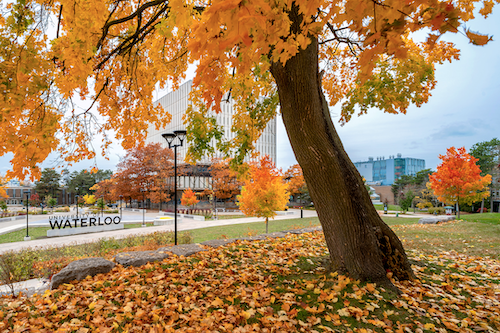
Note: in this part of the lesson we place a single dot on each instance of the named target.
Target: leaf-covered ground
(276, 285)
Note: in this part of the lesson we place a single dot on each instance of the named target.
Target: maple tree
(264, 191)
(189, 198)
(149, 168)
(458, 179)
(105, 189)
(225, 183)
(89, 199)
(3, 192)
(261, 53)
(295, 179)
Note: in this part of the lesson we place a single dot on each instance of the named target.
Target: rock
(182, 250)
(303, 230)
(139, 258)
(435, 219)
(218, 242)
(252, 238)
(80, 269)
(274, 235)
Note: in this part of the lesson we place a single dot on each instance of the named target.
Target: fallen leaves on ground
(274, 285)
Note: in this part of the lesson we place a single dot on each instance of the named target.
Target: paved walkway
(128, 217)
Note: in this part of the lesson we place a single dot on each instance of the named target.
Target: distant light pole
(28, 195)
(143, 207)
(170, 137)
(102, 205)
(76, 197)
(121, 200)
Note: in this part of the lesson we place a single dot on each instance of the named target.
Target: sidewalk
(128, 217)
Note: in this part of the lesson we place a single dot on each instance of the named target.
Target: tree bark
(359, 242)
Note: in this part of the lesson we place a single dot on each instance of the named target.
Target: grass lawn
(41, 232)
(389, 207)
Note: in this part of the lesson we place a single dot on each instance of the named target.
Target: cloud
(462, 129)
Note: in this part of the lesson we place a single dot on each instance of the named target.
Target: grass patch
(250, 229)
(230, 217)
(389, 207)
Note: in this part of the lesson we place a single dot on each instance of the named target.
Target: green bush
(64, 209)
(438, 210)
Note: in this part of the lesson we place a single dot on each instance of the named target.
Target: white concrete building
(176, 103)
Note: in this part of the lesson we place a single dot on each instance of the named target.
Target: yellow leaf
(429, 326)
(218, 302)
(478, 39)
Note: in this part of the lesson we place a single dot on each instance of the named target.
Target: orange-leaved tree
(458, 179)
(105, 189)
(189, 198)
(264, 191)
(295, 179)
(225, 183)
(3, 192)
(149, 168)
(260, 53)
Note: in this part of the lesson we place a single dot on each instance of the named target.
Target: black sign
(63, 222)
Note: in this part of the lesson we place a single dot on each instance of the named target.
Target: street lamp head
(169, 137)
(181, 134)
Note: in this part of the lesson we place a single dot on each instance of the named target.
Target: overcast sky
(463, 110)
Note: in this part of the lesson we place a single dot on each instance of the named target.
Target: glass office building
(386, 171)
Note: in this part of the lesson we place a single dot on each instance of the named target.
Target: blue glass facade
(386, 171)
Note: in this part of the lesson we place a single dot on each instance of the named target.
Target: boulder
(274, 235)
(218, 242)
(436, 219)
(303, 230)
(139, 258)
(80, 269)
(182, 250)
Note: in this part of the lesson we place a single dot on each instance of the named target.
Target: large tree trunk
(359, 242)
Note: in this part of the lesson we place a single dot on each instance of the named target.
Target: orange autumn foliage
(3, 192)
(458, 178)
(295, 179)
(189, 198)
(225, 183)
(115, 54)
(264, 191)
(148, 167)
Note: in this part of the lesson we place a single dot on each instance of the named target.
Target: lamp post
(170, 137)
(143, 207)
(76, 198)
(121, 200)
(28, 194)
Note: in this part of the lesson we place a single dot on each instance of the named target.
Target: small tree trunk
(482, 206)
(267, 221)
(458, 211)
(359, 242)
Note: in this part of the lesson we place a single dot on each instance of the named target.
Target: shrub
(438, 210)
(64, 209)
